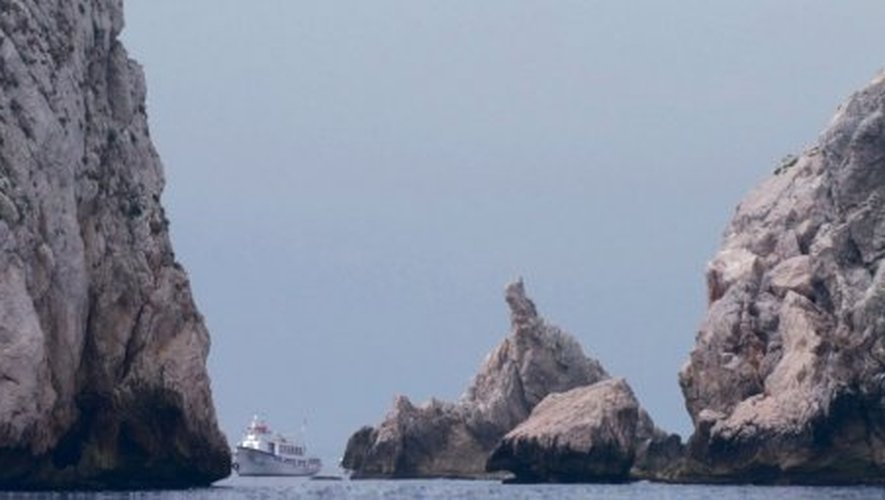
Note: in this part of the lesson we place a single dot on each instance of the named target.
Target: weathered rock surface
(453, 440)
(102, 351)
(595, 433)
(787, 380)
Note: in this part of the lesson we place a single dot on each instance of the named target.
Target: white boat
(264, 453)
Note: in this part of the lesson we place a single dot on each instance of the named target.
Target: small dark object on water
(326, 478)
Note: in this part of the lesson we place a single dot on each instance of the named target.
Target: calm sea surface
(276, 488)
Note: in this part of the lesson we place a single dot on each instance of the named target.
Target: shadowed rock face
(453, 440)
(102, 351)
(594, 433)
(787, 380)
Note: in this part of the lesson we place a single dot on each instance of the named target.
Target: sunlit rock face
(442, 439)
(102, 351)
(787, 379)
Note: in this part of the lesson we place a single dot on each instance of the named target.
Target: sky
(352, 184)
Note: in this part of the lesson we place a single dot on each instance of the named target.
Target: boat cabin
(260, 437)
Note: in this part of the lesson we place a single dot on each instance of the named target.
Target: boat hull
(252, 462)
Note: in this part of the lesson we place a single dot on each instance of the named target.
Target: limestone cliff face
(453, 440)
(102, 351)
(787, 380)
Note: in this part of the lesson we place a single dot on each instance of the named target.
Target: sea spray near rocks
(102, 350)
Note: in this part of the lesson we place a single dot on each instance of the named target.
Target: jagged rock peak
(522, 309)
(103, 380)
(786, 382)
(533, 361)
(454, 440)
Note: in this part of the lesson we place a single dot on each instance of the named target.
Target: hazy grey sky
(351, 184)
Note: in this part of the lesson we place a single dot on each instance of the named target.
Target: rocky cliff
(787, 380)
(102, 351)
(454, 439)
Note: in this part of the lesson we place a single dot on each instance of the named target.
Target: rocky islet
(538, 409)
(442, 439)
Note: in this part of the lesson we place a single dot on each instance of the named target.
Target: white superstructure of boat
(264, 453)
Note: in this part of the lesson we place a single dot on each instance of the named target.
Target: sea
(284, 488)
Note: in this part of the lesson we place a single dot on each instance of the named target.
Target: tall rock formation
(787, 380)
(102, 351)
(453, 440)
